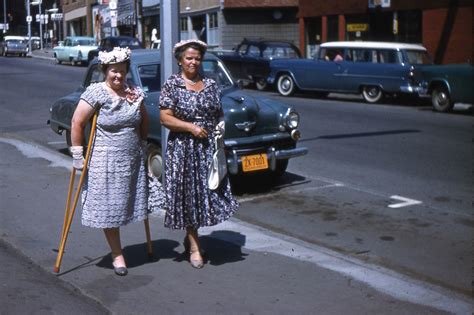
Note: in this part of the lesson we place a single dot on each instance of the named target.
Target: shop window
(213, 20)
(333, 28)
(184, 24)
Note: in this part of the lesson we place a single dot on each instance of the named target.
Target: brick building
(444, 27)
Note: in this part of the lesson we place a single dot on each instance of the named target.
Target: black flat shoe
(120, 271)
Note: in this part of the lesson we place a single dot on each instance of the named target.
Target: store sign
(361, 27)
(56, 16)
(379, 3)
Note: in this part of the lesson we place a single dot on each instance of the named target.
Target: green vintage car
(261, 132)
(446, 85)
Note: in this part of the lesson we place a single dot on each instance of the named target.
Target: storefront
(443, 26)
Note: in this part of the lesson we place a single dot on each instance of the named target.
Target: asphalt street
(367, 223)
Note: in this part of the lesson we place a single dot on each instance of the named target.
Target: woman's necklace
(189, 81)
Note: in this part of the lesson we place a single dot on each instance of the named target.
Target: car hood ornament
(246, 126)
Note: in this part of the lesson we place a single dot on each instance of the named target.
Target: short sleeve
(93, 95)
(166, 96)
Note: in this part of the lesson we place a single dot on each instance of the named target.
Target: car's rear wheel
(372, 93)
(441, 99)
(286, 85)
(154, 160)
(261, 84)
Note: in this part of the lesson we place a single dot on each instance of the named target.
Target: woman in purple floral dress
(190, 107)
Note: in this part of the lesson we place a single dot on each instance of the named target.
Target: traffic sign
(113, 5)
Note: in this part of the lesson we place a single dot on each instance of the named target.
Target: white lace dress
(115, 190)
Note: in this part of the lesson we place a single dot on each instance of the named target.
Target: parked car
(370, 68)
(249, 61)
(262, 131)
(108, 43)
(75, 50)
(14, 45)
(35, 42)
(447, 85)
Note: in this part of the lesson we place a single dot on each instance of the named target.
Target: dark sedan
(260, 132)
(249, 61)
(108, 43)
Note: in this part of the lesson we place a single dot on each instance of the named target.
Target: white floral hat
(117, 55)
(185, 42)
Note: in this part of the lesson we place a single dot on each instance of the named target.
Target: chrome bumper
(412, 89)
(233, 160)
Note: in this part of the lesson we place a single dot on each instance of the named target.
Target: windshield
(84, 42)
(14, 41)
(216, 71)
(129, 42)
(279, 52)
(418, 57)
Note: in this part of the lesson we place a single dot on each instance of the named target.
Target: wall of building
(233, 34)
(447, 34)
(267, 23)
(259, 4)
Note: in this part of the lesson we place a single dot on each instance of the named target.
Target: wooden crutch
(69, 212)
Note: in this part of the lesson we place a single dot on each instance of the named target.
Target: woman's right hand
(77, 157)
(198, 132)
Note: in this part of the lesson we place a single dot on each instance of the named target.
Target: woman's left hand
(199, 132)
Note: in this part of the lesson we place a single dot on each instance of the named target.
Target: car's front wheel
(441, 99)
(154, 160)
(372, 93)
(286, 85)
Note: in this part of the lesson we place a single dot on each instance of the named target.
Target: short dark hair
(103, 67)
(180, 51)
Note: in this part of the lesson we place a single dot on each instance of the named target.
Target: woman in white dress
(115, 190)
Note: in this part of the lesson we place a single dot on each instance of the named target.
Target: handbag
(218, 167)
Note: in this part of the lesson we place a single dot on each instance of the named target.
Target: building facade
(444, 27)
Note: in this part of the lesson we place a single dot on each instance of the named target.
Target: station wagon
(369, 68)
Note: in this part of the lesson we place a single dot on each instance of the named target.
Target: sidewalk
(249, 270)
(45, 53)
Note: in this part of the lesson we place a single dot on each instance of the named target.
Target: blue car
(369, 68)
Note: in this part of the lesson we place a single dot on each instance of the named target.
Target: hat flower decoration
(117, 55)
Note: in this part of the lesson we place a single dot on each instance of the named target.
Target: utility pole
(4, 16)
(28, 20)
(169, 35)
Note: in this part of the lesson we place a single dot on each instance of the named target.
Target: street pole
(41, 26)
(169, 35)
(28, 14)
(4, 16)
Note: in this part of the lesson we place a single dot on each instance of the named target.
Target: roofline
(363, 44)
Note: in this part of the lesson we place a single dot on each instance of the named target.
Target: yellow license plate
(254, 162)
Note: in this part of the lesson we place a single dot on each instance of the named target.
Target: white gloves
(77, 157)
(220, 127)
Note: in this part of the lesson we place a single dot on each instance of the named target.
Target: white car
(14, 45)
(75, 50)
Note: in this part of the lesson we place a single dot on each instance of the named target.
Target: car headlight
(292, 119)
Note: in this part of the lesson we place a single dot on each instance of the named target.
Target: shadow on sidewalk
(221, 247)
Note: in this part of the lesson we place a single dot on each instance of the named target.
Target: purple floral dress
(187, 199)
